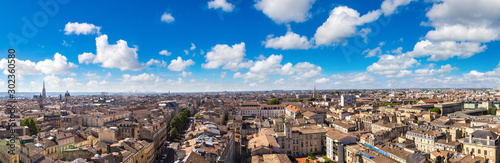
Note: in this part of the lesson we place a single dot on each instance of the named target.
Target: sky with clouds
(238, 45)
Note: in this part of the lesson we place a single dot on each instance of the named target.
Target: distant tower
(44, 94)
(314, 93)
(67, 97)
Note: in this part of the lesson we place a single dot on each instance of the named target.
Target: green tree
(198, 116)
(436, 110)
(281, 117)
(273, 101)
(33, 127)
(173, 133)
(492, 111)
(311, 99)
(311, 156)
(327, 160)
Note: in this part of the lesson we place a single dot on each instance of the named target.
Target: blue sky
(236, 45)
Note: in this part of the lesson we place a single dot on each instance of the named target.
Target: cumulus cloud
(286, 11)
(156, 62)
(140, 77)
(165, 53)
(221, 4)
(393, 65)
(463, 33)
(86, 58)
(179, 64)
(444, 70)
(390, 6)
(167, 17)
(58, 65)
(81, 28)
(117, 55)
(60, 84)
(272, 66)
(289, 41)
(445, 50)
(341, 24)
(322, 80)
(228, 57)
(460, 28)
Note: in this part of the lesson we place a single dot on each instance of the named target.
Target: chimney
(488, 140)
(470, 138)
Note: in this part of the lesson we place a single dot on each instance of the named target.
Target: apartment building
(347, 100)
(300, 141)
(483, 143)
(335, 142)
(266, 111)
(425, 140)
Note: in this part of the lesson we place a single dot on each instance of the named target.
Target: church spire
(44, 93)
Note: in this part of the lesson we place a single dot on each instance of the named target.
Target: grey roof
(483, 134)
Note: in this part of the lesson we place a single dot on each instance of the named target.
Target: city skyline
(225, 45)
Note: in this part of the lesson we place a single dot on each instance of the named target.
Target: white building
(347, 100)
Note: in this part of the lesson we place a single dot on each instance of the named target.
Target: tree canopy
(492, 111)
(33, 127)
(273, 101)
(436, 110)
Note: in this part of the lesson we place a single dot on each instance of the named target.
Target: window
(491, 154)
(485, 153)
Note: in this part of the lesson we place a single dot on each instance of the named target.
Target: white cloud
(390, 6)
(223, 74)
(272, 66)
(140, 77)
(353, 78)
(445, 50)
(305, 70)
(341, 24)
(393, 65)
(179, 64)
(444, 70)
(286, 11)
(372, 52)
(86, 58)
(463, 33)
(95, 83)
(192, 47)
(58, 65)
(81, 28)
(167, 17)
(289, 41)
(55, 83)
(221, 4)
(165, 53)
(230, 58)
(459, 28)
(186, 74)
(156, 62)
(322, 80)
(117, 55)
